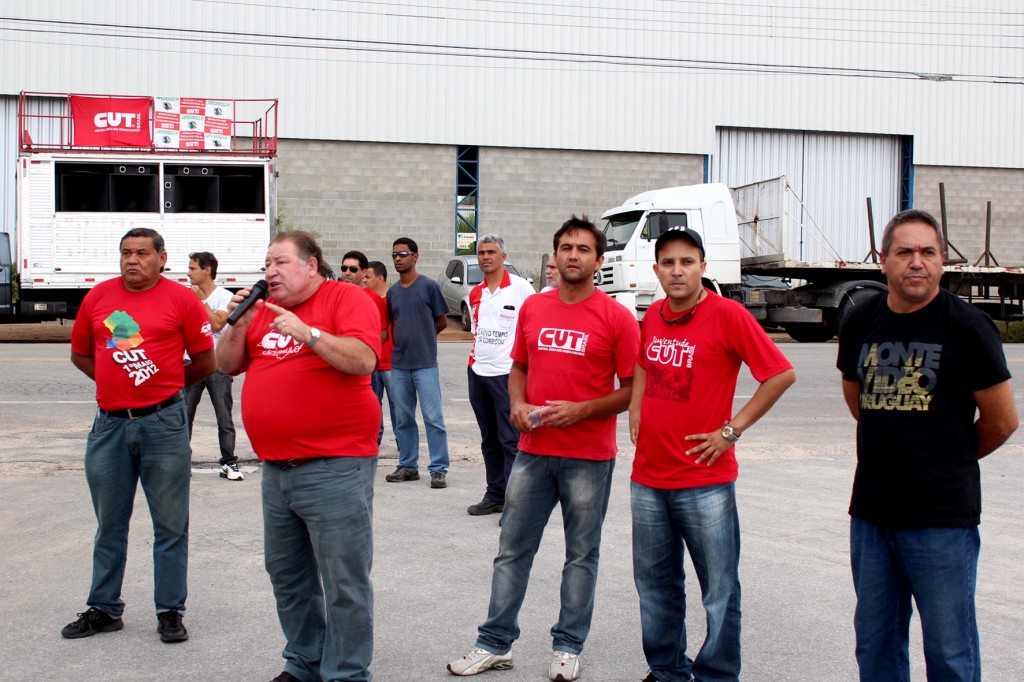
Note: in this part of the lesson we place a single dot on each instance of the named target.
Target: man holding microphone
(312, 340)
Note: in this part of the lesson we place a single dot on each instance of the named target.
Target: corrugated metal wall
(833, 175)
(649, 75)
(9, 147)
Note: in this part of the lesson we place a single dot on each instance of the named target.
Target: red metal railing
(45, 124)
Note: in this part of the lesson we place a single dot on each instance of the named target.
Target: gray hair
(493, 239)
(910, 216)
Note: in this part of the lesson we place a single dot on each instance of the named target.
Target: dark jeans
(218, 385)
(538, 483)
(499, 440)
(668, 523)
(318, 548)
(380, 380)
(937, 568)
(118, 455)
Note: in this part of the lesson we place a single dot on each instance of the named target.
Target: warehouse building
(435, 119)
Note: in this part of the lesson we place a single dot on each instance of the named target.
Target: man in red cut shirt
(570, 346)
(683, 488)
(311, 341)
(130, 337)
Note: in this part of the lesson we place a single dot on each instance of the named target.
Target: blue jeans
(499, 440)
(537, 484)
(406, 385)
(218, 385)
(938, 567)
(704, 522)
(380, 380)
(318, 549)
(120, 453)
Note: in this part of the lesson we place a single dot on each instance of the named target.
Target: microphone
(259, 290)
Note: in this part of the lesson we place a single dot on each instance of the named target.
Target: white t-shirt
(494, 324)
(218, 301)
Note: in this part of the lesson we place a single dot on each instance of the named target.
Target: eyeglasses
(686, 317)
(401, 254)
(350, 268)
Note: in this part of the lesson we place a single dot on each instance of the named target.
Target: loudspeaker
(133, 193)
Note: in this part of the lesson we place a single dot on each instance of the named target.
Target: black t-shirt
(917, 463)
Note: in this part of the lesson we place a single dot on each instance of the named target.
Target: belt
(291, 463)
(136, 412)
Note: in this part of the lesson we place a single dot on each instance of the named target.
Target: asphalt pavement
(432, 560)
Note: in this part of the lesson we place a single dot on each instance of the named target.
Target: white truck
(74, 203)
(750, 234)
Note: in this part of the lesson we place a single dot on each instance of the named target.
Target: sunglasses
(401, 254)
(349, 268)
(687, 317)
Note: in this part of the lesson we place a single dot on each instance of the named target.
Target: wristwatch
(729, 433)
(314, 336)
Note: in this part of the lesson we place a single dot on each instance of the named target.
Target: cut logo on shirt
(563, 341)
(125, 337)
(279, 346)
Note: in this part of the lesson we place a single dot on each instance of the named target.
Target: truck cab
(627, 274)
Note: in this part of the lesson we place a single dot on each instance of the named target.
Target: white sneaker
(564, 667)
(479, 660)
(231, 472)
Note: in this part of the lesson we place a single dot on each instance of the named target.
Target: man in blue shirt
(419, 313)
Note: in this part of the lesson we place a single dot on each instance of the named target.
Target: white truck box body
(72, 250)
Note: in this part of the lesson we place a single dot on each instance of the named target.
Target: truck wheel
(854, 298)
(467, 322)
(810, 333)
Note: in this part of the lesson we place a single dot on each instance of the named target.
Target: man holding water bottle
(570, 345)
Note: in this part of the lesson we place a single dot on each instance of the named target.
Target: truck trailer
(762, 252)
(82, 183)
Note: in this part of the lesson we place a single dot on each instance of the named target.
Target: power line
(144, 32)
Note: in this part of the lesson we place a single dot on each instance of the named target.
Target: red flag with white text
(111, 121)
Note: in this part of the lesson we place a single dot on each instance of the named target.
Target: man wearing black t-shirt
(917, 365)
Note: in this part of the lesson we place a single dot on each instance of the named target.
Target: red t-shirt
(574, 352)
(294, 404)
(139, 340)
(691, 381)
(385, 323)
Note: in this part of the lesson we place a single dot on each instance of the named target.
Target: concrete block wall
(967, 192)
(363, 195)
(526, 194)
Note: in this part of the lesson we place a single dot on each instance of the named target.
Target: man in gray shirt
(419, 313)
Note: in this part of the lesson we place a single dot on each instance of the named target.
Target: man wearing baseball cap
(682, 491)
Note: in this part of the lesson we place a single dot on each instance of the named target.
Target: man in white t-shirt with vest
(494, 305)
(202, 272)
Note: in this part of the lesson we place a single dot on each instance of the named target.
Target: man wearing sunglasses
(353, 268)
(683, 491)
(418, 314)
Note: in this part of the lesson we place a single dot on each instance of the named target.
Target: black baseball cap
(674, 233)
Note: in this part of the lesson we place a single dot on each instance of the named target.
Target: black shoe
(286, 677)
(170, 627)
(485, 506)
(437, 480)
(91, 622)
(650, 678)
(402, 474)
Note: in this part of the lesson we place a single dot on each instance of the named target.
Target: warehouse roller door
(832, 173)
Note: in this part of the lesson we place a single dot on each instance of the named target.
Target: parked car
(460, 275)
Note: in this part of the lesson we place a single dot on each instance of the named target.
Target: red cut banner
(111, 121)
